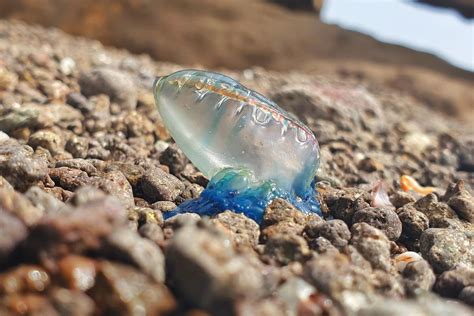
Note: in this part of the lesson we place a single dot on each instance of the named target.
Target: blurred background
(425, 48)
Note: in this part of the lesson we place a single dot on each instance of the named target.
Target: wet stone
(383, 218)
(446, 248)
(467, 295)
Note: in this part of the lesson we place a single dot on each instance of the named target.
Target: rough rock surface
(86, 175)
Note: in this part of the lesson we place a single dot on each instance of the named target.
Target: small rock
(198, 256)
(127, 246)
(401, 198)
(24, 278)
(372, 244)
(414, 223)
(19, 206)
(336, 231)
(152, 232)
(116, 184)
(77, 272)
(43, 201)
(446, 248)
(461, 201)
(241, 229)
(334, 275)
(439, 213)
(451, 283)
(78, 146)
(72, 303)
(82, 230)
(383, 218)
(161, 186)
(69, 178)
(20, 166)
(13, 232)
(8, 80)
(321, 245)
(286, 248)
(117, 85)
(467, 295)
(418, 276)
(466, 156)
(174, 158)
(122, 290)
(163, 206)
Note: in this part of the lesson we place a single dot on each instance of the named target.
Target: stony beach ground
(87, 170)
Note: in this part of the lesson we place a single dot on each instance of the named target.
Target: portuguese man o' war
(252, 150)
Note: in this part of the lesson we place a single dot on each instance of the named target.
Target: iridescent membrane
(252, 150)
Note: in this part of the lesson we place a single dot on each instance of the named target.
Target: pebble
(123, 290)
(439, 214)
(174, 158)
(401, 198)
(77, 146)
(446, 248)
(346, 284)
(77, 272)
(373, 245)
(241, 229)
(13, 232)
(450, 283)
(335, 231)
(72, 303)
(20, 206)
(383, 218)
(158, 185)
(127, 246)
(285, 248)
(418, 277)
(196, 257)
(116, 84)
(460, 200)
(24, 278)
(414, 223)
(20, 166)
